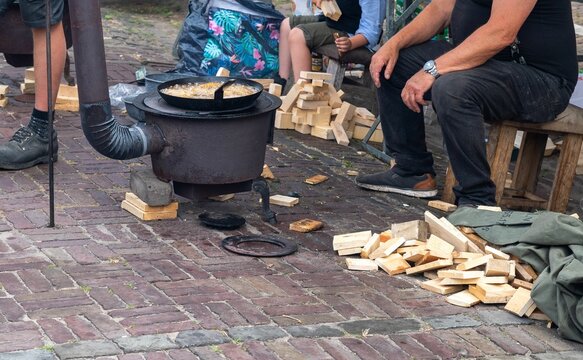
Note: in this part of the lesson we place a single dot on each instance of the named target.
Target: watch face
(429, 65)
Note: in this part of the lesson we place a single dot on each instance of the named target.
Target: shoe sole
(408, 192)
(41, 160)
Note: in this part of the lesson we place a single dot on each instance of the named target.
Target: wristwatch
(431, 69)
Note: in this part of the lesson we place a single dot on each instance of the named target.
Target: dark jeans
(463, 101)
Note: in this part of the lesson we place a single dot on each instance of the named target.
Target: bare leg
(302, 56)
(58, 48)
(284, 55)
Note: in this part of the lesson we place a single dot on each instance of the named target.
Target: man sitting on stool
(510, 60)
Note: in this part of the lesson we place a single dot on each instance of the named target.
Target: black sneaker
(421, 186)
(25, 149)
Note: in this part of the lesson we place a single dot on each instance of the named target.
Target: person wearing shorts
(29, 145)
(355, 28)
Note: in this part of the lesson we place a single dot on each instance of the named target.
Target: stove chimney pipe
(101, 128)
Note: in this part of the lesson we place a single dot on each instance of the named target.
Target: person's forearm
(434, 18)
(357, 41)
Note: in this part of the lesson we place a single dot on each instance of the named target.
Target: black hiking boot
(421, 186)
(25, 149)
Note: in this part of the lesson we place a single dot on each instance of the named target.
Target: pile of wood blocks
(456, 262)
(3, 98)
(313, 106)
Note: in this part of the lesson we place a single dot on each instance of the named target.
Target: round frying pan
(215, 104)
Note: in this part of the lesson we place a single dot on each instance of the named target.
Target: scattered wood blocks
(3, 98)
(316, 179)
(282, 200)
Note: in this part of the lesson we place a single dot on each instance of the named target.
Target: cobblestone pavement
(104, 285)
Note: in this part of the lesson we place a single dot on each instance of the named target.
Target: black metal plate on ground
(222, 221)
(259, 245)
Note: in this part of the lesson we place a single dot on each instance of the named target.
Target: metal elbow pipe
(101, 128)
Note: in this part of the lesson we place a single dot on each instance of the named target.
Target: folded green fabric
(552, 244)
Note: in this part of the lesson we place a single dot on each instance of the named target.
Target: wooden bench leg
(528, 163)
(565, 174)
(501, 159)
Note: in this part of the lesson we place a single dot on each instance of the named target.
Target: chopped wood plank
(490, 208)
(345, 115)
(477, 241)
(392, 245)
(283, 120)
(351, 240)
(439, 247)
(3, 90)
(521, 283)
(435, 287)
(318, 82)
(448, 281)
(459, 274)
(405, 249)
(224, 72)
(426, 258)
(361, 264)
(393, 264)
(138, 203)
(385, 235)
(365, 113)
(465, 255)
(512, 270)
(283, 200)
(442, 205)
(335, 102)
(3, 101)
(492, 294)
(520, 302)
(340, 133)
(290, 99)
(475, 248)
(437, 264)
(316, 179)
(416, 230)
(539, 315)
(275, 89)
(350, 251)
(472, 263)
(315, 75)
(303, 129)
(452, 236)
(29, 74)
(496, 253)
(522, 273)
(266, 173)
(221, 198)
(310, 104)
(467, 230)
(148, 215)
(264, 82)
(372, 244)
(322, 132)
(306, 225)
(413, 242)
(497, 267)
(430, 274)
(463, 298)
(493, 280)
(415, 255)
(529, 269)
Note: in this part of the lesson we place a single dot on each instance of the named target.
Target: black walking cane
(50, 111)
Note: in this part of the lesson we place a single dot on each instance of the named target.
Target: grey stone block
(87, 349)
(501, 317)
(452, 321)
(259, 333)
(145, 343)
(29, 355)
(381, 327)
(314, 331)
(201, 338)
(151, 190)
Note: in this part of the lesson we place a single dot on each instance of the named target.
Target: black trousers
(463, 101)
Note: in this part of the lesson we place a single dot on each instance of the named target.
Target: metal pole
(50, 114)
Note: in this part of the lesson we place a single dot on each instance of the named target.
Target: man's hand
(385, 57)
(343, 44)
(414, 90)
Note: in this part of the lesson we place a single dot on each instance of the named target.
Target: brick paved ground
(103, 285)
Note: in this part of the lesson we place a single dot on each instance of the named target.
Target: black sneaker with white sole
(422, 186)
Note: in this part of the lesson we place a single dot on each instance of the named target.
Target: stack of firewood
(313, 106)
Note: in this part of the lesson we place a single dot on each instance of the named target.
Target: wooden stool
(337, 64)
(520, 194)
